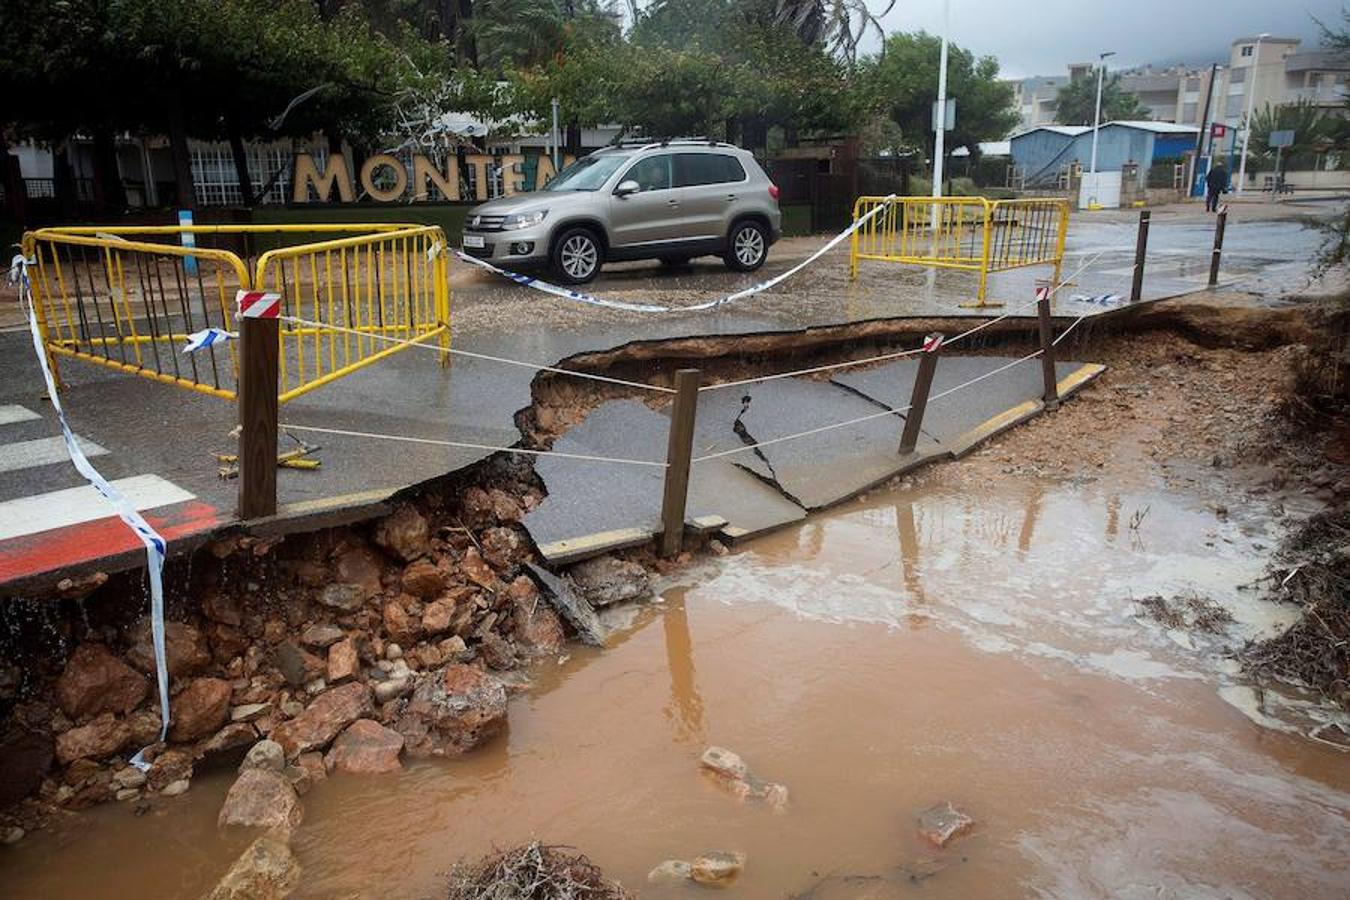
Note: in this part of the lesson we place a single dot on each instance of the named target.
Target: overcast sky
(1041, 37)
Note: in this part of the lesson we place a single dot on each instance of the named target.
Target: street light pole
(1252, 71)
(1097, 112)
(940, 143)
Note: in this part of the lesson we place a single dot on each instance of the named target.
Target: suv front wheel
(577, 256)
(747, 246)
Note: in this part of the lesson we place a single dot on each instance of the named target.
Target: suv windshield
(587, 174)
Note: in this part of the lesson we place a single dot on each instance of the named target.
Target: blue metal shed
(1043, 151)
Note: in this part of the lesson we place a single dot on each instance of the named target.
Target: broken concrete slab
(955, 420)
(578, 613)
(821, 469)
(593, 507)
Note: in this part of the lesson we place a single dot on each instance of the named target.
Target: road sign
(1281, 139)
(948, 120)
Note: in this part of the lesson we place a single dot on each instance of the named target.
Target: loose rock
(324, 719)
(607, 580)
(186, 650)
(718, 868)
(261, 798)
(298, 666)
(96, 682)
(944, 823)
(405, 533)
(366, 748)
(102, 737)
(455, 709)
(266, 870)
(265, 754)
(423, 579)
(200, 709)
(345, 596)
(321, 636)
(343, 661)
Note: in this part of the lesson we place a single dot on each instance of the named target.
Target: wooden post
(259, 341)
(1217, 253)
(1140, 252)
(679, 450)
(918, 397)
(1051, 394)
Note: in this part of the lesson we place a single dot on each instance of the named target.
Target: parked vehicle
(672, 201)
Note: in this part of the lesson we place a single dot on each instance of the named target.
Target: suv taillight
(773, 190)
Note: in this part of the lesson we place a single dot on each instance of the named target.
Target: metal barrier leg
(679, 450)
(1140, 253)
(260, 341)
(918, 397)
(1217, 253)
(1051, 392)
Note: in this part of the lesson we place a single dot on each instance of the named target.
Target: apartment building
(1277, 70)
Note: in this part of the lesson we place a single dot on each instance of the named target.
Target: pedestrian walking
(1216, 183)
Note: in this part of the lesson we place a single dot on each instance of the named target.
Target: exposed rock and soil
(354, 647)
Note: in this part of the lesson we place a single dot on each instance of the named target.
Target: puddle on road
(892, 654)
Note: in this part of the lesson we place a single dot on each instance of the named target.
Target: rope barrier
(483, 356)
(547, 287)
(904, 353)
(408, 439)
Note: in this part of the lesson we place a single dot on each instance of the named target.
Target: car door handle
(672, 203)
(731, 198)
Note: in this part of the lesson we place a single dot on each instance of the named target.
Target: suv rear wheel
(577, 256)
(747, 246)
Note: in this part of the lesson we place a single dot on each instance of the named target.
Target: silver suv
(670, 201)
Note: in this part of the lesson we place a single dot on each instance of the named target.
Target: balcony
(1322, 95)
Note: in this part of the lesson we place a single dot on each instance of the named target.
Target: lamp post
(940, 142)
(1251, 102)
(1097, 113)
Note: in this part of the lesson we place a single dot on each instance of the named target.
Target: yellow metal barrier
(355, 294)
(127, 297)
(966, 233)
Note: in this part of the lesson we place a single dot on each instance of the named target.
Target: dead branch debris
(533, 871)
(1191, 610)
(1312, 570)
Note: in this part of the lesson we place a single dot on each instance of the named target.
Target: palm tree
(837, 25)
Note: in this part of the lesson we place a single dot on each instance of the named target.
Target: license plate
(474, 241)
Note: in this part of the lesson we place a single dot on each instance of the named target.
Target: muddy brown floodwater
(913, 647)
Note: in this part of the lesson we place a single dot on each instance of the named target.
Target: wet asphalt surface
(154, 428)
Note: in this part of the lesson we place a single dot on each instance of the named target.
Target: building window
(217, 183)
(1246, 51)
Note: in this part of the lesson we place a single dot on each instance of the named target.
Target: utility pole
(1252, 71)
(1204, 128)
(1097, 112)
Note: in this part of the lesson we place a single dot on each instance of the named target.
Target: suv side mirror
(627, 187)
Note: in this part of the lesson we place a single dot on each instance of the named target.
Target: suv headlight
(517, 221)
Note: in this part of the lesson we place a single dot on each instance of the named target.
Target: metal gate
(128, 297)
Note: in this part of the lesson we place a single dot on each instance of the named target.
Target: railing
(343, 299)
(128, 298)
(969, 233)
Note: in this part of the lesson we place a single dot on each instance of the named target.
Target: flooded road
(902, 650)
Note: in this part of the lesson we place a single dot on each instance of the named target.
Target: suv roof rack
(669, 142)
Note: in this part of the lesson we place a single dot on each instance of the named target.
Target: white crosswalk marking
(41, 452)
(58, 509)
(12, 412)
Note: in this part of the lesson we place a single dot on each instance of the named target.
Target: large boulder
(404, 534)
(199, 709)
(261, 798)
(186, 649)
(96, 682)
(266, 870)
(366, 748)
(454, 709)
(330, 712)
(607, 580)
(102, 737)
